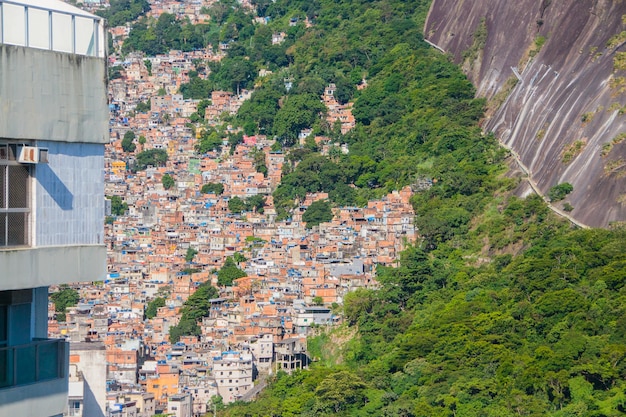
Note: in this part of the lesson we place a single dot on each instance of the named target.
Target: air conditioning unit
(32, 155)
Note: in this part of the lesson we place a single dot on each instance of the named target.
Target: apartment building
(53, 128)
(233, 374)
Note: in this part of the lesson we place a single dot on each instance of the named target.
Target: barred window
(14, 204)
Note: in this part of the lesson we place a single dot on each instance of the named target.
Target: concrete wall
(38, 267)
(69, 195)
(51, 95)
(92, 363)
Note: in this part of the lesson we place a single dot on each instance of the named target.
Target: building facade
(52, 133)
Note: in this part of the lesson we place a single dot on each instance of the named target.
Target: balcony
(53, 26)
(33, 378)
(38, 361)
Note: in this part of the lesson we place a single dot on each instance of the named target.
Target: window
(14, 203)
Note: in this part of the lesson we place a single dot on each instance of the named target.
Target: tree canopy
(118, 207)
(128, 144)
(150, 157)
(62, 299)
(167, 181)
(318, 212)
(229, 272)
(212, 188)
(196, 307)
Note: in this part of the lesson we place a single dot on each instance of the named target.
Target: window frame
(7, 184)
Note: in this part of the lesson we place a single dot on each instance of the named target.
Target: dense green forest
(501, 308)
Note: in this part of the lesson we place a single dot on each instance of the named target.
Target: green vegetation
(478, 43)
(65, 297)
(238, 257)
(615, 167)
(253, 203)
(500, 308)
(607, 147)
(167, 181)
(298, 112)
(573, 150)
(538, 44)
(196, 307)
(318, 212)
(122, 11)
(143, 107)
(128, 144)
(212, 188)
(118, 207)
(164, 34)
(260, 165)
(587, 117)
(115, 72)
(150, 157)
(524, 334)
(560, 191)
(153, 306)
(210, 140)
(190, 254)
(236, 205)
(228, 273)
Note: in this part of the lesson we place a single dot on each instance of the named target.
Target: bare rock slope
(554, 73)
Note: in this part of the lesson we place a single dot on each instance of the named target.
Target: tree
(212, 188)
(151, 157)
(148, 65)
(558, 192)
(127, 142)
(238, 258)
(232, 74)
(258, 157)
(153, 306)
(121, 12)
(298, 112)
(118, 207)
(236, 205)
(260, 111)
(196, 88)
(191, 253)
(65, 297)
(318, 212)
(229, 272)
(339, 391)
(167, 181)
(115, 72)
(196, 307)
(318, 301)
(255, 203)
(143, 107)
(211, 140)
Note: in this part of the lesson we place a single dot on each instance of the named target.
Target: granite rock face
(554, 73)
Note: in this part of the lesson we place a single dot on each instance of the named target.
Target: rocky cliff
(554, 74)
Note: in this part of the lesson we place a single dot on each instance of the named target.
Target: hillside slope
(565, 115)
